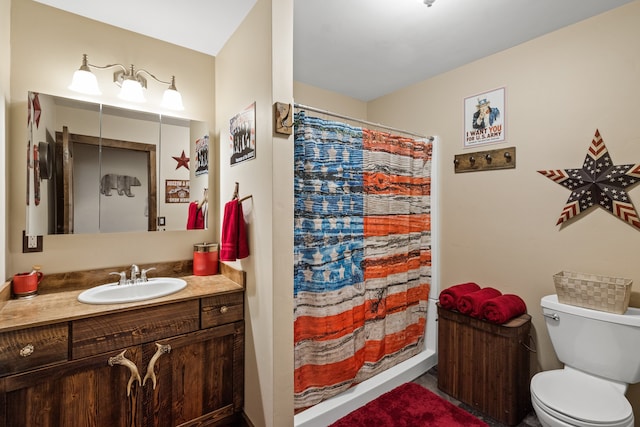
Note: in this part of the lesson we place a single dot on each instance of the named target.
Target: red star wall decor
(182, 161)
(599, 183)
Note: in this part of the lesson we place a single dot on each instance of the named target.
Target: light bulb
(84, 81)
(172, 100)
(131, 90)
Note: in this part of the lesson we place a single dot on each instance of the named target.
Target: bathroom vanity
(177, 360)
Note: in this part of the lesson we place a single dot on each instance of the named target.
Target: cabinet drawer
(30, 348)
(120, 330)
(221, 309)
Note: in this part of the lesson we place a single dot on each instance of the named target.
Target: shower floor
(429, 380)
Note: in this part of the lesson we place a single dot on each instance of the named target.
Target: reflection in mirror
(184, 174)
(96, 168)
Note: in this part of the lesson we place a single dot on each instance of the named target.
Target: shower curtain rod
(330, 113)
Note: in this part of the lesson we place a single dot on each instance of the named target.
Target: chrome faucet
(135, 270)
(134, 279)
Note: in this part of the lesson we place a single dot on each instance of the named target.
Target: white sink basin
(114, 293)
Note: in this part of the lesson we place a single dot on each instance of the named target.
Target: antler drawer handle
(121, 360)
(162, 349)
(27, 350)
(224, 309)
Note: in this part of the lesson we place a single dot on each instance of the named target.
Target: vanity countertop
(61, 306)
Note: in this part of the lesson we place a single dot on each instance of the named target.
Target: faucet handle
(123, 277)
(143, 274)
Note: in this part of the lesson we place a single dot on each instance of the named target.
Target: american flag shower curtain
(362, 254)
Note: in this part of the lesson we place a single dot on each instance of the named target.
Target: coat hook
(472, 160)
(456, 162)
(236, 191)
(507, 156)
(488, 158)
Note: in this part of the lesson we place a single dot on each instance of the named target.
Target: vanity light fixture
(130, 80)
(84, 81)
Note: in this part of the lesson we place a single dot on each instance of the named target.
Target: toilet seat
(557, 419)
(580, 399)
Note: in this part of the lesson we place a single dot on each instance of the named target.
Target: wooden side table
(485, 365)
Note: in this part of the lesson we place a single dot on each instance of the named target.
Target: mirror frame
(64, 158)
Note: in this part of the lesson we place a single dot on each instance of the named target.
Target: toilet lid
(581, 397)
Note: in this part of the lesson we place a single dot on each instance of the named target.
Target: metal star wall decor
(599, 183)
(183, 161)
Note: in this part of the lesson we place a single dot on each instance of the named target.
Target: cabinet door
(199, 381)
(84, 393)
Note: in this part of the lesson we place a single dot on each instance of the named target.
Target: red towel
(195, 220)
(503, 308)
(471, 303)
(233, 240)
(449, 297)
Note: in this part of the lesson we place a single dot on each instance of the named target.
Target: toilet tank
(597, 342)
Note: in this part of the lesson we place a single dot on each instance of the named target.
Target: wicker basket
(596, 292)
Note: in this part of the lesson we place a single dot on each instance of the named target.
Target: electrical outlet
(31, 243)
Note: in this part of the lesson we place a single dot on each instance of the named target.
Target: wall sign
(202, 155)
(242, 142)
(177, 191)
(484, 118)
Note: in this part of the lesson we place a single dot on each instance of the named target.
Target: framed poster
(484, 118)
(202, 155)
(176, 191)
(242, 142)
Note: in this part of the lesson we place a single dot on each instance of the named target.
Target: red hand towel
(449, 297)
(196, 217)
(470, 304)
(503, 308)
(233, 240)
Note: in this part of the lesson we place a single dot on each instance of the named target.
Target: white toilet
(601, 354)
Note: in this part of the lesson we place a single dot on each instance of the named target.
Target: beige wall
(46, 48)
(5, 68)
(282, 245)
(330, 101)
(498, 228)
(255, 65)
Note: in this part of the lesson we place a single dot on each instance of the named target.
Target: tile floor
(430, 381)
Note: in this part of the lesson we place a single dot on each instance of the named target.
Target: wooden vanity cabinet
(200, 381)
(80, 393)
(198, 368)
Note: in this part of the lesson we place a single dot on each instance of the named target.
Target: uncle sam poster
(484, 118)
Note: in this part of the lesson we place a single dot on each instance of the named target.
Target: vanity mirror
(94, 168)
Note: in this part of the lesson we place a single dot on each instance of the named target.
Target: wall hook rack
(504, 158)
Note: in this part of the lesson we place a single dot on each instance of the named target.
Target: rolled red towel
(503, 308)
(470, 304)
(449, 297)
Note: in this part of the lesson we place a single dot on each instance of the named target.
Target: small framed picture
(177, 191)
(484, 118)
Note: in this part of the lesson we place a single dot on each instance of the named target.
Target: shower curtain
(362, 254)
